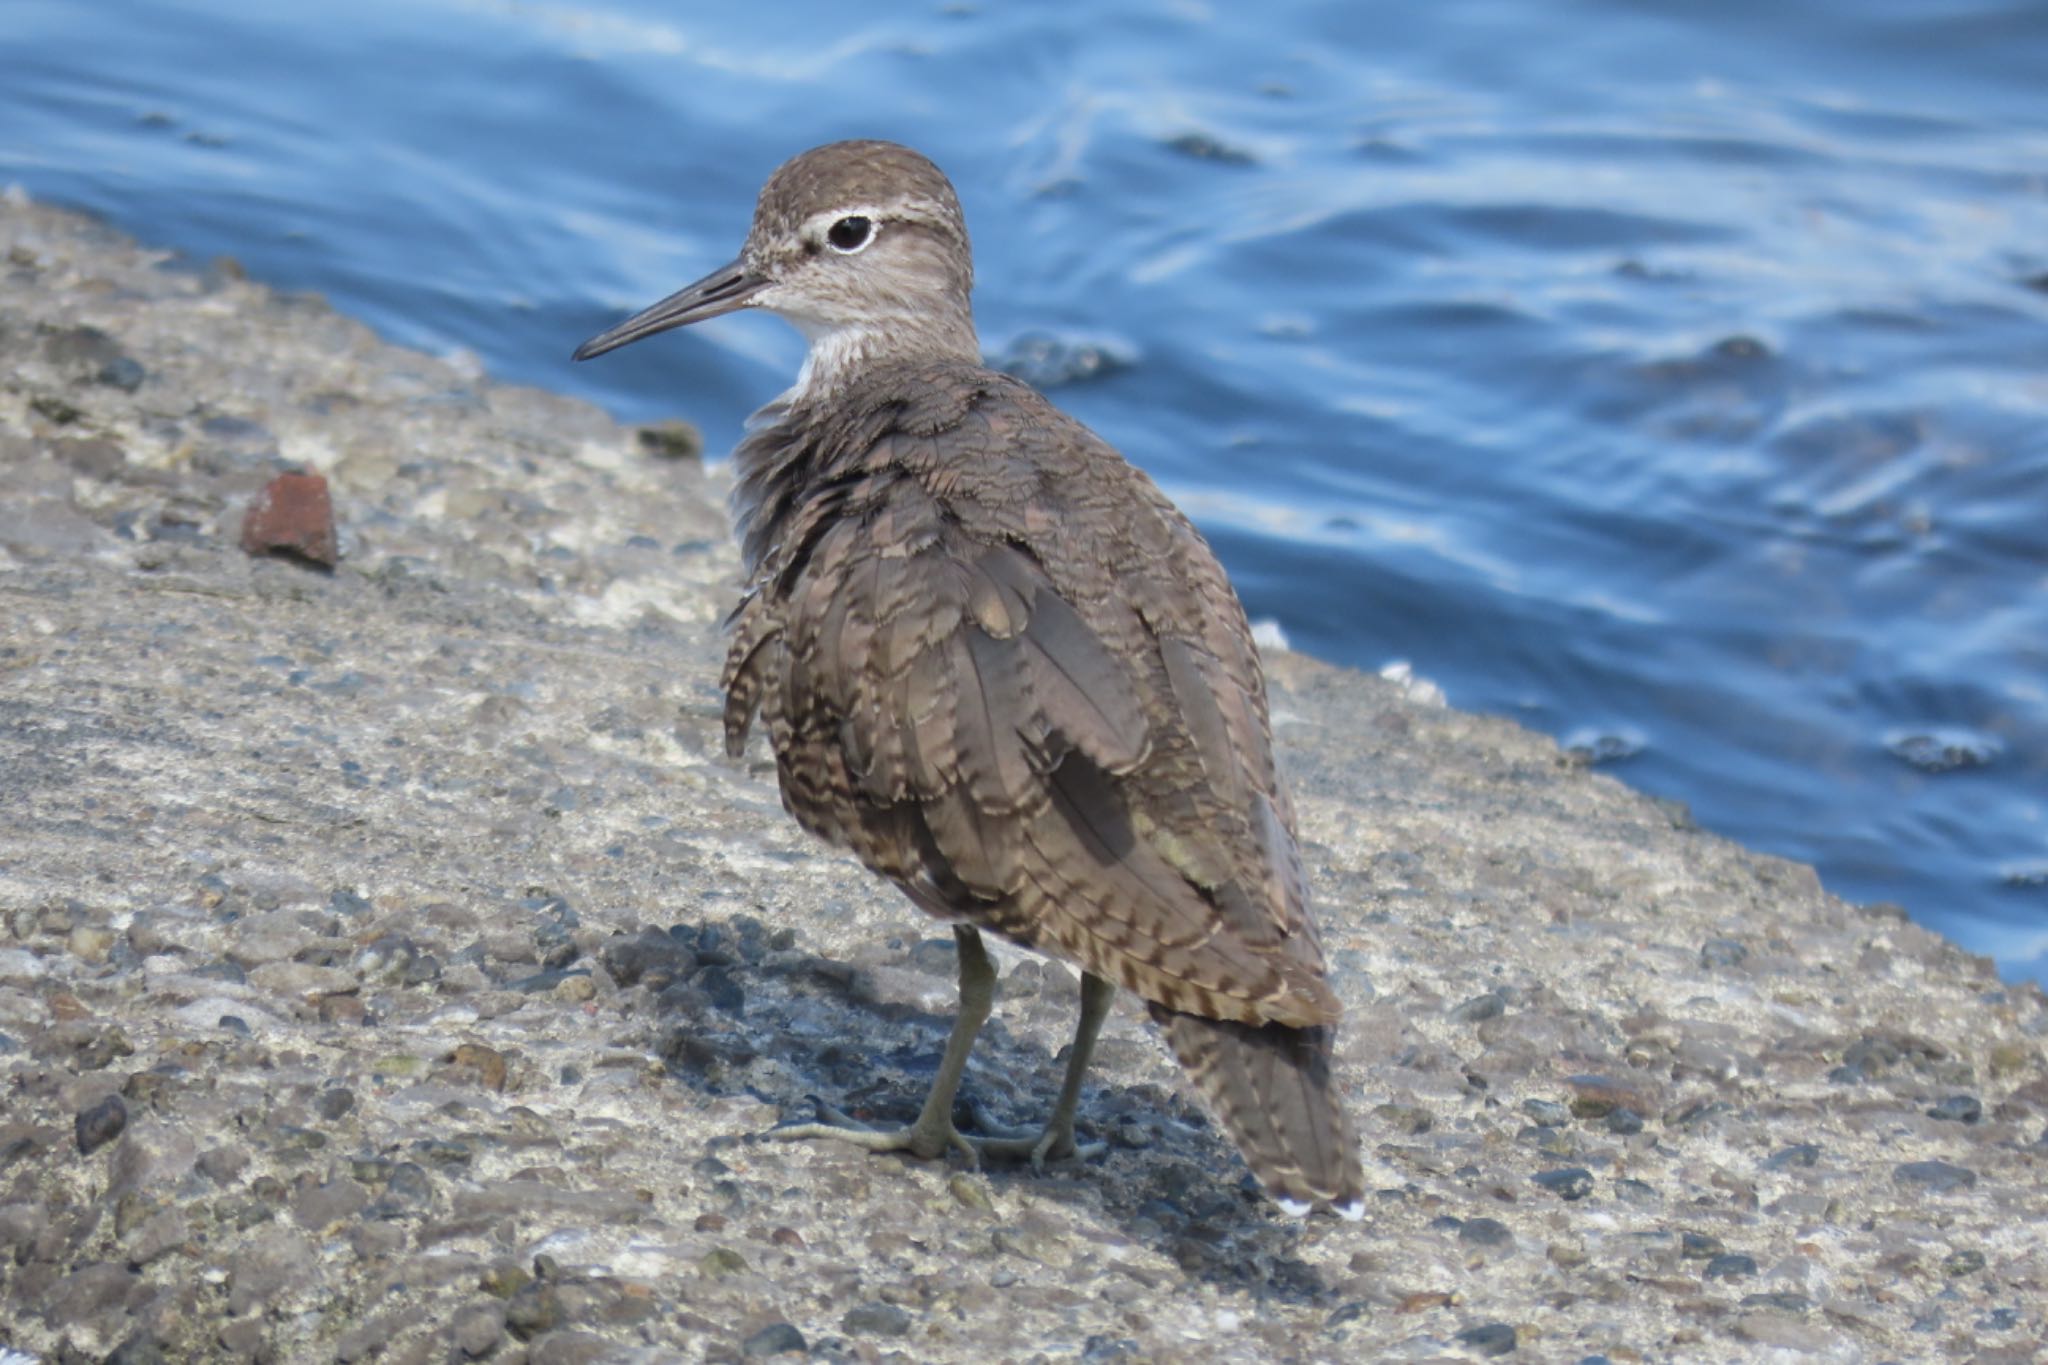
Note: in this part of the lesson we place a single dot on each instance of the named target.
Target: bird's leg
(933, 1133)
(1056, 1141)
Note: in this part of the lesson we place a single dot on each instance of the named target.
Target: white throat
(834, 352)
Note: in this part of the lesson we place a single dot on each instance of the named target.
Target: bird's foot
(1053, 1143)
(923, 1140)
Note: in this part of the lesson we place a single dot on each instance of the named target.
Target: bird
(1001, 668)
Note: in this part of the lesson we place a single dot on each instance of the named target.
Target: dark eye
(850, 234)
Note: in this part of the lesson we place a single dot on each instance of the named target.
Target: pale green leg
(933, 1133)
(1056, 1141)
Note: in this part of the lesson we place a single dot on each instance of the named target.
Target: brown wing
(1002, 669)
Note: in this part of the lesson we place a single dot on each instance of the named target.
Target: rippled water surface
(1672, 377)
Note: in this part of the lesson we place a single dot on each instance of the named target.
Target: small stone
(334, 1102)
(671, 440)
(1489, 1339)
(483, 1065)
(1732, 1266)
(1595, 1097)
(293, 515)
(720, 1262)
(1485, 1232)
(479, 1328)
(54, 409)
(1720, 953)
(651, 957)
(1570, 1182)
(1410, 1120)
(138, 1349)
(721, 988)
(1699, 1246)
(1783, 1300)
(89, 1293)
(1937, 1177)
(1479, 1009)
(303, 980)
(504, 1280)
(90, 942)
(773, 1340)
(786, 1237)
(123, 372)
(1546, 1113)
(1624, 1122)
(1033, 1243)
(876, 1320)
(575, 988)
(1798, 1154)
(99, 1124)
(970, 1193)
(274, 1262)
(1958, 1109)
(1965, 1262)
(533, 1308)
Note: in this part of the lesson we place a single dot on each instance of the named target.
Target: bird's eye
(850, 234)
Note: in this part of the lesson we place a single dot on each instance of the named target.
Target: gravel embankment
(392, 967)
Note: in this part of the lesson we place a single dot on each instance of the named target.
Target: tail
(1270, 1085)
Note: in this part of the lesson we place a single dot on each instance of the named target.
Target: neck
(837, 353)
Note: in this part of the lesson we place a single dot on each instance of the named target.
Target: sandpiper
(1003, 670)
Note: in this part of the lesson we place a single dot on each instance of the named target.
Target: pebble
(1489, 1339)
(1720, 953)
(1546, 1113)
(100, 1124)
(292, 515)
(1732, 1266)
(1937, 1177)
(533, 1308)
(1485, 1232)
(875, 1319)
(1958, 1109)
(1570, 1182)
(90, 943)
(479, 1328)
(1595, 1097)
(266, 1266)
(1965, 1262)
(651, 957)
(1624, 1122)
(970, 1193)
(1479, 1009)
(1699, 1246)
(1409, 1120)
(1803, 1154)
(720, 1262)
(776, 1339)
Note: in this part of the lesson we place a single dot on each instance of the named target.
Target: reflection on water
(1670, 377)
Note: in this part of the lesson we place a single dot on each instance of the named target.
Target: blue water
(1671, 377)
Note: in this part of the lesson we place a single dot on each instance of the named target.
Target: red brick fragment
(293, 515)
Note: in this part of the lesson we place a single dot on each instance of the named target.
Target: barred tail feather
(1270, 1086)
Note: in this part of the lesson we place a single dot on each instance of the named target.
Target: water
(1673, 378)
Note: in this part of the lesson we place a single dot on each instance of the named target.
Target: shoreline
(329, 1009)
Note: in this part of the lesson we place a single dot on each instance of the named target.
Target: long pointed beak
(727, 288)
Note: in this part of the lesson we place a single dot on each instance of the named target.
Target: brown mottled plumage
(1000, 667)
